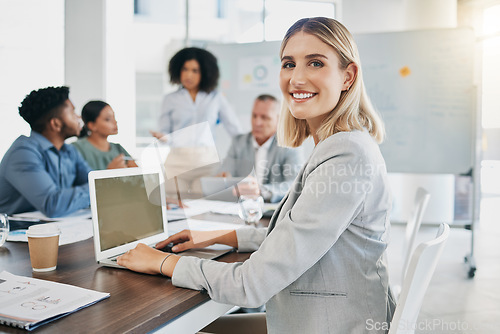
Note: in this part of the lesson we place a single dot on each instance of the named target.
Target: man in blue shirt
(41, 172)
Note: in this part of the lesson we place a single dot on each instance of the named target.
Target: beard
(68, 132)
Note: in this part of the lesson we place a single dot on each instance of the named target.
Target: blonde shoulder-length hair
(354, 111)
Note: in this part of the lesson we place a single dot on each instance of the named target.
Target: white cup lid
(43, 230)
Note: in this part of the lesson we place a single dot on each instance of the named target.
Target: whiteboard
(246, 71)
(421, 82)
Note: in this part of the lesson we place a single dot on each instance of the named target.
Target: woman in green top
(100, 122)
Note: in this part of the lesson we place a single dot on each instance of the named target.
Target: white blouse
(178, 110)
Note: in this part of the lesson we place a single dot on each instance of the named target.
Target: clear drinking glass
(4, 228)
(250, 208)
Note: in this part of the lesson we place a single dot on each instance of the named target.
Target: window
(281, 14)
(225, 21)
(244, 21)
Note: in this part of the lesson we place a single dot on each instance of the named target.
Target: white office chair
(413, 225)
(422, 197)
(420, 270)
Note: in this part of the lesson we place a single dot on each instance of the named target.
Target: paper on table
(80, 214)
(200, 225)
(224, 208)
(73, 230)
(27, 302)
(191, 209)
(200, 206)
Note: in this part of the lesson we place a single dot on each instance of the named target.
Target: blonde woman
(320, 266)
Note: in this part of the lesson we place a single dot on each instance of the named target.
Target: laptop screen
(128, 208)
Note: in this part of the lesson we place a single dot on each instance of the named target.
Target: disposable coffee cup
(43, 243)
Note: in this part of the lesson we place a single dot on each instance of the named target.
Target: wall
(100, 59)
(83, 44)
(31, 57)
(85, 50)
(365, 16)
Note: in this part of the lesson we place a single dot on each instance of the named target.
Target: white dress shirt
(261, 161)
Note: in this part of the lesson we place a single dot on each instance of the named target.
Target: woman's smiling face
(310, 78)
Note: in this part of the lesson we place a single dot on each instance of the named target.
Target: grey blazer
(320, 267)
(283, 164)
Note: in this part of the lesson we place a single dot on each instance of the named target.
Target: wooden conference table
(138, 303)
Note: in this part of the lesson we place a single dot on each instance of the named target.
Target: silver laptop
(128, 207)
(219, 188)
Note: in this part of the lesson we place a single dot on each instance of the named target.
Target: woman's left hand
(131, 163)
(147, 260)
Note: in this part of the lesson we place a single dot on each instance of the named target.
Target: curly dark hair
(91, 110)
(208, 67)
(39, 106)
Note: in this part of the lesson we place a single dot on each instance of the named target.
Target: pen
(128, 159)
(178, 193)
(17, 232)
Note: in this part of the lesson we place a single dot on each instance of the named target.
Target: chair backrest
(421, 200)
(422, 265)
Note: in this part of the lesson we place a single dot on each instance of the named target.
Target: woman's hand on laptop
(148, 260)
(188, 239)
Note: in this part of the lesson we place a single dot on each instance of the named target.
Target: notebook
(27, 302)
(128, 207)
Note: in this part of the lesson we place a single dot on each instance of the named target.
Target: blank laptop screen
(128, 209)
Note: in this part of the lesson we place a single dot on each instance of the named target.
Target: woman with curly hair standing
(196, 100)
